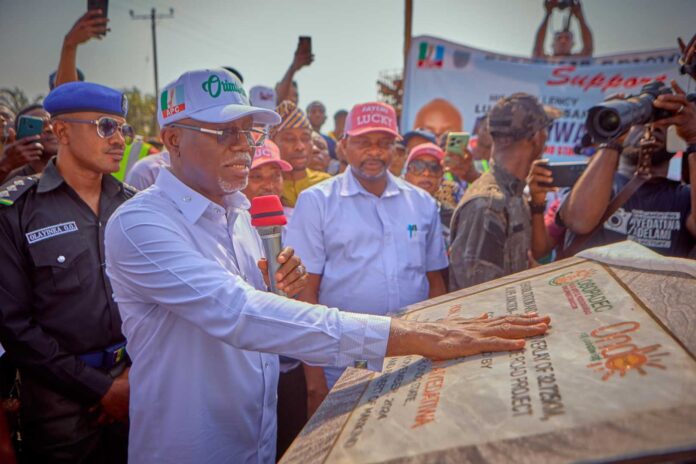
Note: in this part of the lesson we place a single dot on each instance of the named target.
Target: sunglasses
(231, 136)
(418, 167)
(107, 127)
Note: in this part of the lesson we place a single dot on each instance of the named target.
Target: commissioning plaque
(609, 381)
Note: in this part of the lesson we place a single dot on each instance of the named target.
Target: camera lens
(609, 121)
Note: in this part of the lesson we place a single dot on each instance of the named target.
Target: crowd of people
(136, 316)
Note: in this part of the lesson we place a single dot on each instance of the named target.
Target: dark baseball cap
(424, 133)
(519, 116)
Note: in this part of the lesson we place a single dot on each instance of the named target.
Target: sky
(353, 41)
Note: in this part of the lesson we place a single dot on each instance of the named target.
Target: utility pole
(153, 17)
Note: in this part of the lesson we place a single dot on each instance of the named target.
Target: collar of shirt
(51, 179)
(509, 183)
(191, 203)
(351, 186)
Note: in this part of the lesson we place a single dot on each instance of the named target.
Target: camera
(563, 4)
(614, 117)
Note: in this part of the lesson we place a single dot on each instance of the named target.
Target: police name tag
(51, 231)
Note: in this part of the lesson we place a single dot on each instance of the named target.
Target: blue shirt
(202, 336)
(372, 252)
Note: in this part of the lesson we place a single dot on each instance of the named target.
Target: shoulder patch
(129, 190)
(12, 190)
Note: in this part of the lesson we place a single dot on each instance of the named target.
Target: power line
(153, 17)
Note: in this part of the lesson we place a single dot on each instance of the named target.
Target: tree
(142, 112)
(15, 98)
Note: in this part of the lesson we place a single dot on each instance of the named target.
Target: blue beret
(75, 97)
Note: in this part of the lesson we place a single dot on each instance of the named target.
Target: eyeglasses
(107, 127)
(231, 136)
(418, 167)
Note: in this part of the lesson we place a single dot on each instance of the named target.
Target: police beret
(75, 97)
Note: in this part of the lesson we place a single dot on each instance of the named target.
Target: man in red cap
(371, 242)
(266, 174)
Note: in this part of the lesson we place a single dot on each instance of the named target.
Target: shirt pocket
(414, 248)
(60, 262)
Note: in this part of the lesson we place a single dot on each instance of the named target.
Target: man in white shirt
(203, 333)
(144, 171)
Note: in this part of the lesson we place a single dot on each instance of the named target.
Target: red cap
(269, 153)
(267, 211)
(425, 149)
(372, 117)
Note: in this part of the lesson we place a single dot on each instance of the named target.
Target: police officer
(58, 321)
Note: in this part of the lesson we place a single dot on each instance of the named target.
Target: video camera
(612, 118)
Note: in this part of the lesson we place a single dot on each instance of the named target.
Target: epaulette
(129, 190)
(15, 188)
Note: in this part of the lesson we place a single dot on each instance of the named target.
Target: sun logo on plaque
(620, 355)
(570, 277)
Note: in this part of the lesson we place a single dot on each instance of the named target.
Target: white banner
(451, 87)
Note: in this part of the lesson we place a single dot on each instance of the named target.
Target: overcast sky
(353, 40)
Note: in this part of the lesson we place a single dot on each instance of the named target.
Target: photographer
(660, 214)
(563, 39)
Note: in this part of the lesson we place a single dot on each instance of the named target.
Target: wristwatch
(537, 208)
(610, 146)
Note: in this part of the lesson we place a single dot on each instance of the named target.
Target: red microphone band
(267, 211)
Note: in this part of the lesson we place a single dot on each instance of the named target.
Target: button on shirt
(55, 297)
(372, 252)
(203, 339)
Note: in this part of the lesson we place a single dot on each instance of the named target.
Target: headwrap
(293, 118)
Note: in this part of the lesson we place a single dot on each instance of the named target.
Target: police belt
(106, 358)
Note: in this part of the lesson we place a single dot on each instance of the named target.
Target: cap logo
(380, 119)
(214, 86)
(173, 101)
(124, 105)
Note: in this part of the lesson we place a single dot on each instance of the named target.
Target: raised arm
(91, 24)
(587, 41)
(538, 51)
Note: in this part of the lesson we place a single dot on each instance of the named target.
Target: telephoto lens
(614, 117)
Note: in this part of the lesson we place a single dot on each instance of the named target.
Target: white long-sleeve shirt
(202, 335)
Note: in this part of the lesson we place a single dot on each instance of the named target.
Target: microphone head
(267, 211)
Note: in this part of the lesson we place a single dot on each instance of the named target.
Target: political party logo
(571, 277)
(430, 56)
(173, 101)
(214, 86)
(619, 354)
(582, 291)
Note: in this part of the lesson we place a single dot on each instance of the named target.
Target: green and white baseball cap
(209, 95)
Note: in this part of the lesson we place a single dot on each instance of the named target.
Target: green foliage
(141, 112)
(15, 99)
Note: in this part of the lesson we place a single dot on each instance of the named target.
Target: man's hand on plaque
(457, 337)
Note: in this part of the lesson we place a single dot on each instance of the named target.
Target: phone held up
(305, 44)
(102, 5)
(456, 143)
(28, 126)
(564, 173)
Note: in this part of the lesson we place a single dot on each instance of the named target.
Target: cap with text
(209, 95)
(269, 153)
(371, 117)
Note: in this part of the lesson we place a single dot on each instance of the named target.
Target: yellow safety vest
(128, 161)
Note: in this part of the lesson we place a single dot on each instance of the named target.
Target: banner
(451, 87)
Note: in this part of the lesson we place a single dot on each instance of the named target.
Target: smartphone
(456, 143)
(565, 173)
(28, 126)
(102, 5)
(305, 44)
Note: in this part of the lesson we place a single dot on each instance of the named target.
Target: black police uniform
(58, 321)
